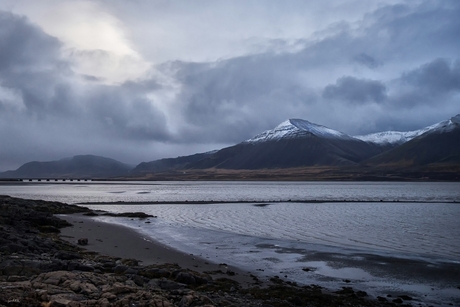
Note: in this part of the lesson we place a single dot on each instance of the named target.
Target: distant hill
(439, 145)
(83, 166)
(169, 163)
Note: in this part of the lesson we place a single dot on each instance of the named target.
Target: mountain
(83, 166)
(440, 144)
(399, 137)
(293, 143)
(297, 128)
(169, 163)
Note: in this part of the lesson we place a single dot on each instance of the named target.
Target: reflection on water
(237, 191)
(425, 228)
(417, 228)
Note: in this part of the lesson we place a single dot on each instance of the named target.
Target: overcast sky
(141, 80)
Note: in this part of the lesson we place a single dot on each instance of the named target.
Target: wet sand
(124, 242)
(409, 276)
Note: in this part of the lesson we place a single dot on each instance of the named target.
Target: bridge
(44, 179)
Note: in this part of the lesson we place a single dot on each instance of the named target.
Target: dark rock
(140, 215)
(381, 299)
(49, 229)
(92, 213)
(185, 278)
(130, 262)
(166, 284)
(131, 271)
(82, 241)
(120, 269)
(67, 256)
(155, 273)
(397, 301)
(405, 297)
(297, 301)
(139, 280)
(11, 267)
(13, 248)
(76, 266)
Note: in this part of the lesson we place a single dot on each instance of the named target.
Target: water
(236, 191)
(335, 238)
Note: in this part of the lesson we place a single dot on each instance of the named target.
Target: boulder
(82, 241)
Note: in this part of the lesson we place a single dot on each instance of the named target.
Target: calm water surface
(236, 191)
(403, 217)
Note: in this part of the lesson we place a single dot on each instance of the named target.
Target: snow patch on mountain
(399, 137)
(294, 128)
(389, 137)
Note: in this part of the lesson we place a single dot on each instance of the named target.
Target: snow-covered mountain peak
(446, 125)
(294, 128)
(399, 137)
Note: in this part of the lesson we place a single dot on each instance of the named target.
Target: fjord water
(403, 217)
(282, 227)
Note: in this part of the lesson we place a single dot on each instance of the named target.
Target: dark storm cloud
(23, 45)
(30, 63)
(356, 91)
(234, 99)
(404, 32)
(439, 76)
(434, 85)
(366, 60)
(122, 112)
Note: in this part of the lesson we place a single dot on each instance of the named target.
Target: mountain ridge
(400, 137)
(80, 166)
(300, 143)
(438, 145)
(293, 144)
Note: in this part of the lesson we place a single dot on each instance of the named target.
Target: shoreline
(40, 265)
(263, 202)
(127, 243)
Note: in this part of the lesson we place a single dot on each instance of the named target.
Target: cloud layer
(394, 66)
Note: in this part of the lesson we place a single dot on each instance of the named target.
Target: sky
(141, 80)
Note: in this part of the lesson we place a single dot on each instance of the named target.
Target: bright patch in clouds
(94, 39)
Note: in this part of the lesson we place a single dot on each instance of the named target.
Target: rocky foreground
(37, 268)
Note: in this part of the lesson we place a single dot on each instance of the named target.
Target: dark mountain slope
(168, 164)
(293, 143)
(84, 166)
(286, 153)
(437, 146)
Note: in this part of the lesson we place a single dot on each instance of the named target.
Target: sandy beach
(123, 242)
